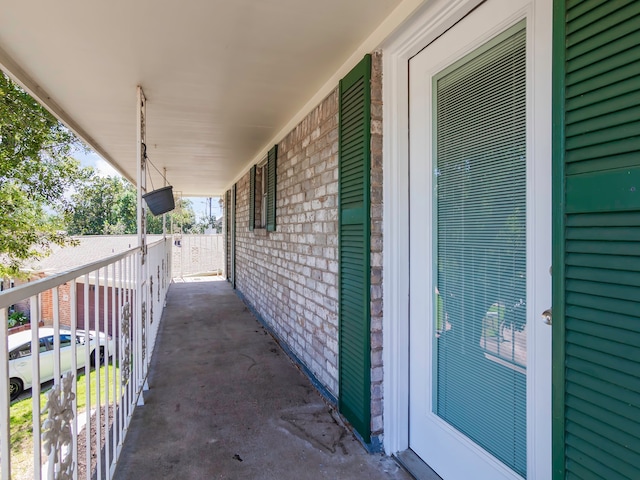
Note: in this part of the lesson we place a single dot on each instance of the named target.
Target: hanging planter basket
(160, 201)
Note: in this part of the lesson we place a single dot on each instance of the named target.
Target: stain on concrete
(223, 405)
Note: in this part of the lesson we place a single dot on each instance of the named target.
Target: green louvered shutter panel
(227, 230)
(252, 198)
(354, 251)
(596, 330)
(234, 199)
(272, 161)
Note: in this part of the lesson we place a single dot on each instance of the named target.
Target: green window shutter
(252, 198)
(272, 160)
(234, 199)
(227, 230)
(596, 273)
(354, 247)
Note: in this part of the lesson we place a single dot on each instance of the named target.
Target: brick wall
(290, 276)
(46, 305)
(101, 310)
(377, 393)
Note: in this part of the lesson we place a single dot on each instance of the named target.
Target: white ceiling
(221, 77)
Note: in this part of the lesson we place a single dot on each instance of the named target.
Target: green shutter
(596, 322)
(252, 198)
(272, 161)
(227, 231)
(234, 199)
(354, 251)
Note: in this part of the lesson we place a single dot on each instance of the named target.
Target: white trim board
(423, 28)
(435, 18)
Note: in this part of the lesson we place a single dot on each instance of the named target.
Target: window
(24, 350)
(262, 193)
(65, 340)
(46, 343)
(258, 196)
(12, 308)
(20, 352)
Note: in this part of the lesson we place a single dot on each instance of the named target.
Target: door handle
(546, 315)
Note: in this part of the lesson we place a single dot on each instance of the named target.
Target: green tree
(108, 206)
(36, 169)
(209, 221)
(103, 206)
(182, 219)
(126, 211)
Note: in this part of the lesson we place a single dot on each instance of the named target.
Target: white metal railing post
(164, 215)
(105, 329)
(73, 313)
(142, 237)
(134, 312)
(56, 335)
(87, 374)
(5, 433)
(169, 263)
(117, 355)
(114, 421)
(121, 315)
(96, 369)
(35, 388)
(106, 416)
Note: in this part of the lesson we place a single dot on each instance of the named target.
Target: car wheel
(100, 357)
(15, 388)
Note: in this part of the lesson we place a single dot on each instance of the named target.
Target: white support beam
(141, 180)
(141, 296)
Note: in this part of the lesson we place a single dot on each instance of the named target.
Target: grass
(21, 428)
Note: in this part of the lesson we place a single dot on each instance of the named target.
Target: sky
(104, 169)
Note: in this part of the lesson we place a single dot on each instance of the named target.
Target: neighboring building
(193, 254)
(91, 248)
(21, 307)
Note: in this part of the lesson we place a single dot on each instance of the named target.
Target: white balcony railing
(93, 353)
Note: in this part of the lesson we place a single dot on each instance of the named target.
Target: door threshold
(416, 466)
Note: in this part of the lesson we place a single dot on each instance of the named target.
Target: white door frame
(427, 24)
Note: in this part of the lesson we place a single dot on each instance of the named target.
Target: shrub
(17, 318)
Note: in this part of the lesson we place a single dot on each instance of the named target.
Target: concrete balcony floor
(225, 402)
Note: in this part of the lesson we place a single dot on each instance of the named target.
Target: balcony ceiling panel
(222, 77)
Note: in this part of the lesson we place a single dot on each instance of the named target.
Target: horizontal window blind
(480, 202)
